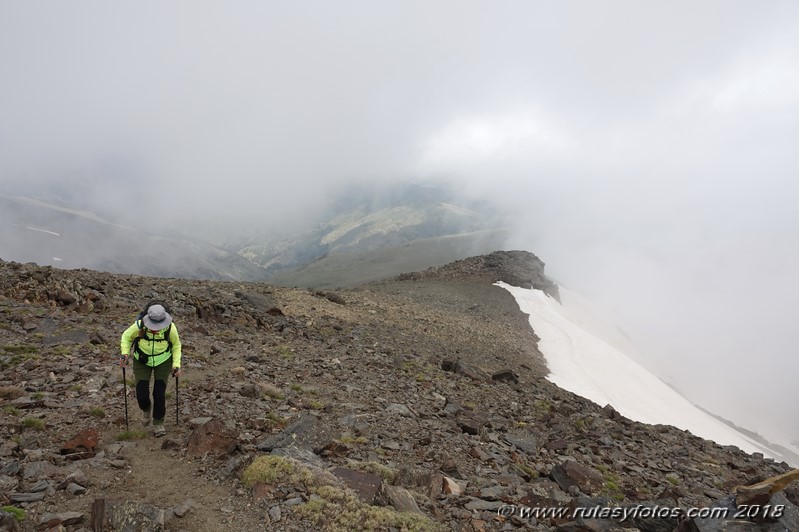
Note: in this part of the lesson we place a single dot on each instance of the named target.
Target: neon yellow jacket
(153, 345)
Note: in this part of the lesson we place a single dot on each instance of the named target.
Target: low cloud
(645, 152)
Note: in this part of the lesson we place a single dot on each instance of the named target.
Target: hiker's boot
(145, 418)
(159, 430)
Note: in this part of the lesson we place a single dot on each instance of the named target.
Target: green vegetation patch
(18, 513)
(18, 349)
(339, 510)
(33, 423)
(273, 469)
(376, 468)
(131, 435)
(612, 485)
(15, 354)
(12, 410)
(333, 508)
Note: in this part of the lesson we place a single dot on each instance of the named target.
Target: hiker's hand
(176, 372)
(123, 360)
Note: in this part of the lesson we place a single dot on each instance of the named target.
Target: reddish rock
(83, 445)
(212, 437)
(365, 485)
(262, 491)
(571, 473)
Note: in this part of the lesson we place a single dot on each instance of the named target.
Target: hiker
(154, 342)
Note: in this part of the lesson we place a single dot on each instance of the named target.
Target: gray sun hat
(157, 318)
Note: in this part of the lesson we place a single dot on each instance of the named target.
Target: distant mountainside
(366, 233)
(46, 233)
(368, 224)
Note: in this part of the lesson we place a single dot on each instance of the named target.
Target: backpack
(143, 329)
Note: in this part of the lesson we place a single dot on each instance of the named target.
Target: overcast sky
(648, 152)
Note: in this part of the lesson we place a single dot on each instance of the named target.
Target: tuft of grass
(528, 470)
(275, 420)
(612, 485)
(38, 396)
(339, 510)
(11, 392)
(316, 405)
(350, 439)
(542, 407)
(97, 412)
(62, 350)
(285, 352)
(332, 508)
(18, 513)
(271, 469)
(33, 423)
(18, 349)
(131, 435)
(376, 468)
(673, 479)
(76, 387)
(296, 388)
(12, 410)
(271, 391)
(582, 424)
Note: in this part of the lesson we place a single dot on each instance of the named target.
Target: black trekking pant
(143, 373)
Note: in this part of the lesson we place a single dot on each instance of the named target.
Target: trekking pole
(125, 394)
(177, 398)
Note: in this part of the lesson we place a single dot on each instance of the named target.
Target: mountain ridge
(424, 392)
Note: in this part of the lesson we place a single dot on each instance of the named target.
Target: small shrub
(316, 405)
(76, 387)
(296, 388)
(38, 396)
(673, 479)
(97, 412)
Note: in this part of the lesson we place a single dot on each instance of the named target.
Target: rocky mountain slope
(416, 403)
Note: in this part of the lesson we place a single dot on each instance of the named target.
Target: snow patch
(583, 363)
